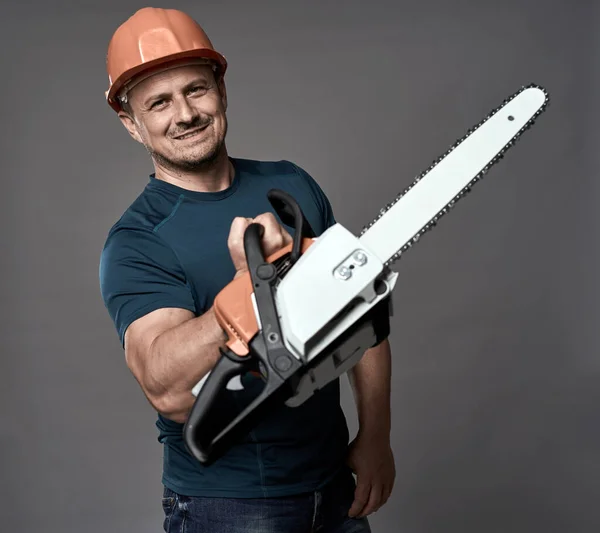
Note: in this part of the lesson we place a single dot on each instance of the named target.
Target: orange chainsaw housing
(235, 311)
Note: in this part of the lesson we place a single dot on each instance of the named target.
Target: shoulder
(134, 239)
(316, 191)
(299, 182)
(152, 206)
(144, 215)
(284, 171)
(138, 270)
(266, 168)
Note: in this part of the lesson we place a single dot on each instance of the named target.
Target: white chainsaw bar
(438, 187)
(341, 276)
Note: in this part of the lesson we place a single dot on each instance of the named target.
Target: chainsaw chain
(468, 187)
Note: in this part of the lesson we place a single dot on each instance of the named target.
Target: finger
(374, 501)
(392, 483)
(237, 228)
(287, 238)
(235, 232)
(269, 221)
(361, 497)
(235, 242)
(273, 237)
(385, 494)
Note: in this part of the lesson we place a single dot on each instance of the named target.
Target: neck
(214, 177)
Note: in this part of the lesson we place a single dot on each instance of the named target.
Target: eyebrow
(162, 95)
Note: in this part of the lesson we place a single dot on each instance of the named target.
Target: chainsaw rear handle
(207, 434)
(205, 420)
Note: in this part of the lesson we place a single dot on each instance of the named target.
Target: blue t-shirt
(169, 249)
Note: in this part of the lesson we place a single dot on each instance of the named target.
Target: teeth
(467, 189)
(188, 135)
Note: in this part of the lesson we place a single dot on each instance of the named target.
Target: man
(176, 246)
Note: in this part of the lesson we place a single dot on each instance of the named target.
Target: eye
(198, 89)
(156, 104)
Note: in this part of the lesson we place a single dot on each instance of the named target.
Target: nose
(184, 112)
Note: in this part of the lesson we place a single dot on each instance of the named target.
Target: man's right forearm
(178, 359)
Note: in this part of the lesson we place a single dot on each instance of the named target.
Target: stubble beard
(202, 162)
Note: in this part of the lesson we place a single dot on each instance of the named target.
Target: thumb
(361, 496)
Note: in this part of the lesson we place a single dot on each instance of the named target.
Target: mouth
(191, 134)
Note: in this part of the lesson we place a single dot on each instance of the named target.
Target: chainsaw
(305, 315)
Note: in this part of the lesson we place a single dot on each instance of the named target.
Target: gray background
(495, 385)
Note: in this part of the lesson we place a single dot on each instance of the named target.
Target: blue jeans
(323, 511)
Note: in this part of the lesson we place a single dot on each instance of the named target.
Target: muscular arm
(370, 380)
(169, 351)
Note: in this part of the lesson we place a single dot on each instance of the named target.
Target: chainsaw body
(305, 315)
(299, 318)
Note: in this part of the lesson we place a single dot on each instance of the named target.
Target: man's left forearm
(370, 380)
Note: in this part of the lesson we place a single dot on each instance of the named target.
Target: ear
(222, 91)
(130, 125)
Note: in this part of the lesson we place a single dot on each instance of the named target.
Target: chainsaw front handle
(206, 434)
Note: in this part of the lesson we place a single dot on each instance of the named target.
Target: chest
(201, 245)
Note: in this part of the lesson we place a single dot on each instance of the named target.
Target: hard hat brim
(157, 64)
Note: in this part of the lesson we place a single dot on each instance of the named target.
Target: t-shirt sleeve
(320, 197)
(139, 273)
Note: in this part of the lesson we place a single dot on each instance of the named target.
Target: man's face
(179, 116)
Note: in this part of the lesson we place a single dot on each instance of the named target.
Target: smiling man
(195, 141)
(167, 257)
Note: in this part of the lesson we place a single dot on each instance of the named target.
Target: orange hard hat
(148, 41)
